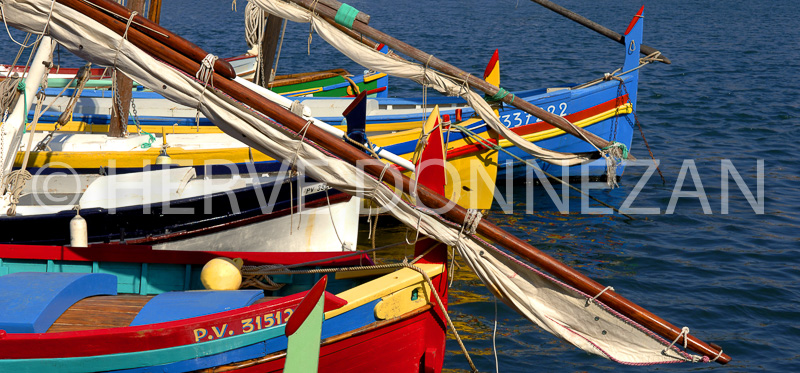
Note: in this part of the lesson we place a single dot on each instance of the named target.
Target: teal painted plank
(143, 280)
(142, 358)
(187, 277)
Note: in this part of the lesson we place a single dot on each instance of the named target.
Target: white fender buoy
(222, 274)
(78, 232)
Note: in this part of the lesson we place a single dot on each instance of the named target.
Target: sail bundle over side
(555, 306)
(378, 61)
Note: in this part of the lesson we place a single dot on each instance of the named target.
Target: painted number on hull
(247, 325)
(519, 118)
(316, 188)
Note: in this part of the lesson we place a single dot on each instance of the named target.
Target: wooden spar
(161, 34)
(644, 49)
(430, 198)
(269, 46)
(154, 12)
(333, 4)
(118, 124)
(435, 63)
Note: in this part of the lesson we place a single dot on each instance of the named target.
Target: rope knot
(206, 71)
(471, 221)
(499, 96)
(685, 334)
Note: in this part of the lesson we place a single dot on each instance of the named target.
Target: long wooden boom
(375, 167)
(559, 122)
(594, 26)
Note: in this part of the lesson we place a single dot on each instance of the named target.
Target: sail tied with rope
(553, 304)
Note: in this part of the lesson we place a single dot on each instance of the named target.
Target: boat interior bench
(31, 301)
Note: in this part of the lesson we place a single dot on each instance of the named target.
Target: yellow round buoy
(222, 274)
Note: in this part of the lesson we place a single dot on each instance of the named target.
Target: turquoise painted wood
(132, 278)
(46, 296)
(183, 305)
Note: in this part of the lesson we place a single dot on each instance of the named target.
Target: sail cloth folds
(552, 305)
(377, 61)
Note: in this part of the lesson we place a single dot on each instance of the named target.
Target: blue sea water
(730, 94)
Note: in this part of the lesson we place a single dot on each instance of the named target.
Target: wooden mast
(154, 12)
(594, 26)
(119, 120)
(329, 15)
(391, 176)
(269, 47)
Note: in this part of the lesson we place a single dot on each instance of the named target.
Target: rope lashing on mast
(500, 95)
(9, 92)
(14, 182)
(470, 225)
(114, 88)
(205, 73)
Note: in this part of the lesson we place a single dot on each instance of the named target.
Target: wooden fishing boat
(603, 107)
(593, 317)
(173, 209)
(325, 83)
(112, 307)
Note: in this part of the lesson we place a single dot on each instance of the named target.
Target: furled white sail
(377, 61)
(552, 305)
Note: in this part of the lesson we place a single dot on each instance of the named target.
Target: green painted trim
(302, 352)
(141, 358)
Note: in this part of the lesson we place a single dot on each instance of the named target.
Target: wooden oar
(430, 198)
(329, 14)
(157, 32)
(644, 49)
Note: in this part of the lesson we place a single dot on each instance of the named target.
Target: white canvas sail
(545, 301)
(384, 63)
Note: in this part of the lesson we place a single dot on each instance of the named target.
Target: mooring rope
(492, 146)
